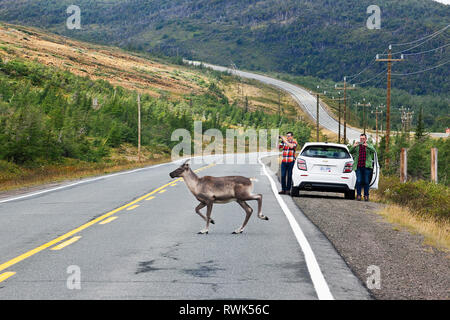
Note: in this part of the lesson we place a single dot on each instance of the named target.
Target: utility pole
(389, 60)
(339, 116)
(376, 119)
(279, 104)
(345, 88)
(364, 105)
(317, 111)
(317, 118)
(409, 116)
(139, 126)
(403, 118)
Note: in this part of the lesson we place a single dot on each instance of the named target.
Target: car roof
(325, 144)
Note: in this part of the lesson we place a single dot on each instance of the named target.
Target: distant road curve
(305, 100)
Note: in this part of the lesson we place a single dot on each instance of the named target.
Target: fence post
(403, 165)
(434, 163)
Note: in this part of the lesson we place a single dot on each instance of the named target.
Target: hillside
(322, 38)
(67, 106)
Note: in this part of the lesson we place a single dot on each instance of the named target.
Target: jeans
(363, 180)
(286, 174)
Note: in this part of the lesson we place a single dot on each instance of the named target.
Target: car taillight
(301, 165)
(348, 167)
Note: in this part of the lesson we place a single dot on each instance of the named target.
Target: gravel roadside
(408, 268)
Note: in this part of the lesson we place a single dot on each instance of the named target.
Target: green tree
(419, 128)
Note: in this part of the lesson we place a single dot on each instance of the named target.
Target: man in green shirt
(363, 154)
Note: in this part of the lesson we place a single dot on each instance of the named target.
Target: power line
(428, 37)
(357, 74)
(415, 53)
(377, 75)
(417, 45)
(421, 71)
(354, 76)
(411, 42)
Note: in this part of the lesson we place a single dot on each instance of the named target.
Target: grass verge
(435, 233)
(420, 206)
(46, 174)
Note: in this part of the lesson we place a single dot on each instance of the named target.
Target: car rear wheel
(350, 195)
(295, 192)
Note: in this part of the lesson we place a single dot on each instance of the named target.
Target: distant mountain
(323, 38)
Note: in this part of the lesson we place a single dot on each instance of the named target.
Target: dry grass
(58, 173)
(436, 233)
(123, 158)
(330, 135)
(99, 62)
(261, 97)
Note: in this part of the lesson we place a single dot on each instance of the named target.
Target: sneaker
(366, 198)
(358, 198)
(282, 192)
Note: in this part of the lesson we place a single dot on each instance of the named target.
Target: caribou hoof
(212, 221)
(237, 232)
(266, 218)
(203, 232)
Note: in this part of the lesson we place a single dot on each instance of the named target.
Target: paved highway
(305, 100)
(133, 235)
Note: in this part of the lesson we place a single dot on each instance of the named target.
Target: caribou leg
(257, 197)
(248, 212)
(209, 206)
(197, 210)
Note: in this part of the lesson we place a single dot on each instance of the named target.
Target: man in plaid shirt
(288, 144)
(363, 154)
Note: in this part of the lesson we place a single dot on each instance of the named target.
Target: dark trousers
(286, 174)
(363, 180)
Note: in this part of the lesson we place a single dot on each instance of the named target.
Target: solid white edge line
(318, 280)
(81, 182)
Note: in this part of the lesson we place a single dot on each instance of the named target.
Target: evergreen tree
(419, 128)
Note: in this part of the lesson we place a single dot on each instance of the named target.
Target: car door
(375, 173)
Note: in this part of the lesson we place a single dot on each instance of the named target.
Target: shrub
(424, 198)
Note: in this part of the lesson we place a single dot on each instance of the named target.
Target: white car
(322, 166)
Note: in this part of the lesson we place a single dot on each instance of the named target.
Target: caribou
(209, 190)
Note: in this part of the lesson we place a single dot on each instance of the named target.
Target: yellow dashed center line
(69, 234)
(162, 191)
(108, 220)
(6, 275)
(132, 207)
(66, 243)
(152, 197)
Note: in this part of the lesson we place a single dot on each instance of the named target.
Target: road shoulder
(408, 268)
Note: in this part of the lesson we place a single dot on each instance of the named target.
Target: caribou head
(181, 170)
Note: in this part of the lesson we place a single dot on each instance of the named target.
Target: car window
(329, 152)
